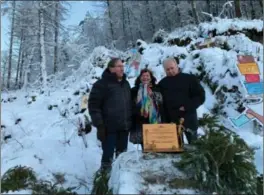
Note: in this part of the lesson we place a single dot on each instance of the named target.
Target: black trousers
(114, 141)
(191, 135)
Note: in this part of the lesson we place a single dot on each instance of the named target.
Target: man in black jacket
(182, 95)
(110, 108)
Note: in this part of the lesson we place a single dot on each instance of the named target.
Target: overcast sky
(76, 14)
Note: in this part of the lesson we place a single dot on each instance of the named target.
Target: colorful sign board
(253, 85)
(133, 65)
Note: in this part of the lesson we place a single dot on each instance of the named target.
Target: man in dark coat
(182, 95)
(110, 108)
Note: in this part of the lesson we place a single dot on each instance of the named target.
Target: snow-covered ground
(48, 142)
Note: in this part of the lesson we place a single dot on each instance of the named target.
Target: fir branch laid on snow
(224, 163)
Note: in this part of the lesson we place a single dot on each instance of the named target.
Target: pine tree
(224, 163)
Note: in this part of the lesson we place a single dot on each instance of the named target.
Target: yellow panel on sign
(248, 68)
(161, 138)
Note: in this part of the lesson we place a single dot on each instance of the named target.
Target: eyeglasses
(119, 66)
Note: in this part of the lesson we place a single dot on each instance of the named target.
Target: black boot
(105, 168)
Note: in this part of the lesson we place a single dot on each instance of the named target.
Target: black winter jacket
(110, 103)
(182, 90)
(138, 120)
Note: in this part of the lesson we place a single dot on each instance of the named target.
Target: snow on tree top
(223, 25)
(189, 31)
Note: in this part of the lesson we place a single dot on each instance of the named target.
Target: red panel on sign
(245, 59)
(252, 78)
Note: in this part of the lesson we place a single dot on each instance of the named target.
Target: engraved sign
(161, 138)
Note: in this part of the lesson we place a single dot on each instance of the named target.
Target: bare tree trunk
(214, 12)
(230, 12)
(21, 69)
(149, 15)
(168, 24)
(11, 45)
(56, 37)
(178, 13)
(39, 48)
(123, 21)
(237, 9)
(19, 57)
(261, 5)
(27, 69)
(4, 73)
(43, 71)
(195, 15)
(244, 5)
(110, 20)
(129, 24)
(217, 7)
(208, 2)
(253, 13)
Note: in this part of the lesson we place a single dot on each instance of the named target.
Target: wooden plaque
(248, 68)
(161, 138)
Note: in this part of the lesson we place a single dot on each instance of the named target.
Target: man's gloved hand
(88, 128)
(101, 133)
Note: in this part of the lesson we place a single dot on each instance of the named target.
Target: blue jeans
(118, 141)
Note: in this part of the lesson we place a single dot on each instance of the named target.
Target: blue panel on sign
(254, 88)
(241, 120)
(133, 50)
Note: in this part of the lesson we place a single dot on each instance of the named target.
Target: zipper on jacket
(124, 93)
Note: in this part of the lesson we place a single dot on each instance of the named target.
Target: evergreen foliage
(100, 186)
(224, 163)
(260, 184)
(16, 178)
(24, 178)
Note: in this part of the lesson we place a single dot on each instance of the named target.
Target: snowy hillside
(39, 130)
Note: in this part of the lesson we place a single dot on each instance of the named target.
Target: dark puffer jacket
(110, 103)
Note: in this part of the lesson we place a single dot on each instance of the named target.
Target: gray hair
(169, 60)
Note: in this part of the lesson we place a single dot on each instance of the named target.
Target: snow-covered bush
(141, 45)
(183, 36)
(216, 68)
(160, 36)
(101, 56)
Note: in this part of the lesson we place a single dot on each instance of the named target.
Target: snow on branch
(222, 11)
(224, 7)
(207, 14)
